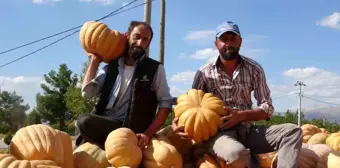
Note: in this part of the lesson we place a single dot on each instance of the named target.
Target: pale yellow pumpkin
(200, 114)
(160, 153)
(9, 161)
(121, 148)
(318, 138)
(306, 159)
(99, 39)
(320, 149)
(308, 130)
(266, 159)
(183, 146)
(41, 142)
(334, 141)
(333, 160)
(89, 155)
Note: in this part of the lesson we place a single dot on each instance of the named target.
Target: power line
(321, 101)
(15, 60)
(65, 31)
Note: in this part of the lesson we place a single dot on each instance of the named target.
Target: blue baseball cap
(228, 27)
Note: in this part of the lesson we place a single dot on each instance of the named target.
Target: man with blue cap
(233, 77)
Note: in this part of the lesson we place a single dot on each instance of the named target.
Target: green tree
(74, 100)
(12, 111)
(51, 104)
(33, 118)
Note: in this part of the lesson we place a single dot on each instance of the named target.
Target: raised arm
(93, 82)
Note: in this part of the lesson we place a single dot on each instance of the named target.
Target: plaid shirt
(236, 92)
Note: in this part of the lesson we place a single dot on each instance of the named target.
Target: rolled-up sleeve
(262, 94)
(93, 88)
(161, 87)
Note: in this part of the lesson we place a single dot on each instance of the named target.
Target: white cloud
(102, 2)
(45, 1)
(331, 21)
(27, 87)
(184, 77)
(199, 35)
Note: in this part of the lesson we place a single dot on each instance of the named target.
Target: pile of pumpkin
(40, 146)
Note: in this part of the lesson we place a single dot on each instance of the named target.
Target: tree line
(60, 103)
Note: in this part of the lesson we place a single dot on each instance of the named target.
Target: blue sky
(292, 40)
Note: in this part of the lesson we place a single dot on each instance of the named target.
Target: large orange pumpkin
(41, 142)
(121, 148)
(199, 113)
(308, 130)
(99, 39)
(9, 161)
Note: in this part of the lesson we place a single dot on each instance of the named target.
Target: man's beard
(135, 52)
(229, 53)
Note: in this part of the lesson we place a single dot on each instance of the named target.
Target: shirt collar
(217, 62)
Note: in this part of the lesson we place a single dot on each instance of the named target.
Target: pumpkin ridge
(94, 38)
(113, 43)
(92, 27)
(30, 136)
(101, 38)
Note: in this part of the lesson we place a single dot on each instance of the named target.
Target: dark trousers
(94, 128)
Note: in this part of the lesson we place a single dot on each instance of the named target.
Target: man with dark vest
(133, 92)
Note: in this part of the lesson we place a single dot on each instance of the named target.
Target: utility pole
(323, 120)
(147, 18)
(162, 31)
(300, 84)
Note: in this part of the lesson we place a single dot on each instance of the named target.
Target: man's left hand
(232, 119)
(143, 140)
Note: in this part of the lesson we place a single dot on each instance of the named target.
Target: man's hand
(95, 58)
(235, 117)
(143, 140)
(179, 130)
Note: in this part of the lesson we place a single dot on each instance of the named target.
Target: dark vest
(143, 102)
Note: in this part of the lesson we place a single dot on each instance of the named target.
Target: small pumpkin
(38, 142)
(266, 159)
(160, 153)
(308, 130)
(9, 161)
(98, 38)
(183, 146)
(334, 141)
(89, 155)
(199, 113)
(318, 138)
(121, 148)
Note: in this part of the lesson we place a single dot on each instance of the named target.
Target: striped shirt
(236, 92)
